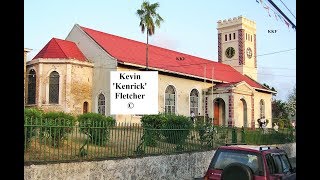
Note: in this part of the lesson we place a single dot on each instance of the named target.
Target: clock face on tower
(249, 52)
(230, 51)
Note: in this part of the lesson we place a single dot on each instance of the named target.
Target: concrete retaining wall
(181, 166)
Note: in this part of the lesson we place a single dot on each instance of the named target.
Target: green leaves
(96, 126)
(149, 18)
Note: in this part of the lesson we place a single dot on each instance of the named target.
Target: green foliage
(179, 128)
(282, 123)
(222, 134)
(269, 87)
(96, 126)
(55, 127)
(31, 117)
(279, 109)
(150, 122)
(206, 132)
(149, 18)
(257, 137)
(33, 113)
(153, 121)
(202, 120)
(234, 136)
(291, 102)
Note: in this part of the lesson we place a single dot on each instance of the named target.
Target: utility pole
(204, 93)
(212, 70)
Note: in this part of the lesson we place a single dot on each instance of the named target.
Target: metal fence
(58, 142)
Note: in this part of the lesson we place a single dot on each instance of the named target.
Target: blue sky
(188, 27)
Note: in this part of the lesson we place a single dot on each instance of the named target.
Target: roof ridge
(55, 39)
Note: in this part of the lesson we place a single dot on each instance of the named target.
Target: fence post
(243, 135)
(234, 135)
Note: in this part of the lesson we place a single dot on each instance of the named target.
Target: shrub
(31, 117)
(178, 129)
(205, 132)
(203, 120)
(96, 126)
(56, 126)
(253, 136)
(257, 137)
(223, 135)
(281, 124)
(153, 122)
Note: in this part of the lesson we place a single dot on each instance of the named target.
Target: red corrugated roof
(130, 51)
(58, 48)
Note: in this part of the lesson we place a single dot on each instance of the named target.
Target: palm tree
(148, 19)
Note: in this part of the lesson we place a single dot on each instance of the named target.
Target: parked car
(236, 162)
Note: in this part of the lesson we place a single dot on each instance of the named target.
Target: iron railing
(58, 142)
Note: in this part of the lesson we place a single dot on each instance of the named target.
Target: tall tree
(149, 18)
(279, 109)
(291, 102)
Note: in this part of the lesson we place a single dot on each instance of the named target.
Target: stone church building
(73, 75)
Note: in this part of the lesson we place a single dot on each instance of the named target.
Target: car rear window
(278, 163)
(222, 158)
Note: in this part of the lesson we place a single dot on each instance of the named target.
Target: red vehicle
(236, 162)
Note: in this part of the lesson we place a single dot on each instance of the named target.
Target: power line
(275, 75)
(275, 68)
(276, 52)
(279, 10)
(288, 9)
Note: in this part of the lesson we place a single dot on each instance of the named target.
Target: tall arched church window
(262, 109)
(54, 87)
(101, 104)
(170, 100)
(31, 87)
(194, 101)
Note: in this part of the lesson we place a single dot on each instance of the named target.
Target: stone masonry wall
(80, 90)
(170, 167)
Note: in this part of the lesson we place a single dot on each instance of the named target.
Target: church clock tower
(237, 45)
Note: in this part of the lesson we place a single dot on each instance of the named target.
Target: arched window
(170, 100)
(54, 88)
(262, 109)
(85, 107)
(194, 101)
(31, 87)
(101, 104)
